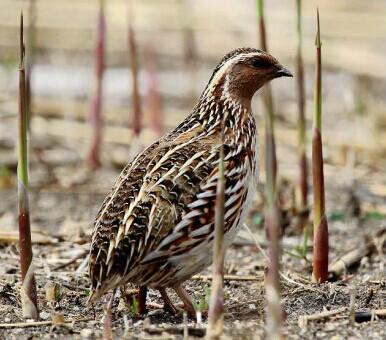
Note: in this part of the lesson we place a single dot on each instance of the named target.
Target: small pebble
(156, 312)
(365, 262)
(44, 315)
(87, 333)
(138, 323)
(121, 305)
(146, 323)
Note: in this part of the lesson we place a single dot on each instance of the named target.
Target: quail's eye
(261, 63)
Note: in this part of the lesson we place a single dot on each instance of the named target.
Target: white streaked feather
(201, 231)
(128, 224)
(110, 251)
(198, 203)
(170, 239)
(233, 198)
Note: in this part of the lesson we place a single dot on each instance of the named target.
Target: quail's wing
(196, 224)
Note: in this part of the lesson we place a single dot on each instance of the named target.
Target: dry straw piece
(304, 319)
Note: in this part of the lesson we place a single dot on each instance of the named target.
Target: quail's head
(245, 70)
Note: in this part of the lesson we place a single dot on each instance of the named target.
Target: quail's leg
(168, 305)
(142, 294)
(185, 298)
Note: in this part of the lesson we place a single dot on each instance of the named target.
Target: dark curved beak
(283, 72)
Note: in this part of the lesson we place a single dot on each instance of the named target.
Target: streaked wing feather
(197, 224)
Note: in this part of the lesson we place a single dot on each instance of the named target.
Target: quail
(156, 226)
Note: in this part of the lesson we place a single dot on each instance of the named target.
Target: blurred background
(178, 45)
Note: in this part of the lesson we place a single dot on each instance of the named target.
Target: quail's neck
(216, 105)
(227, 92)
(240, 125)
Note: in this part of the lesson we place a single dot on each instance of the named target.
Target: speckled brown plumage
(156, 226)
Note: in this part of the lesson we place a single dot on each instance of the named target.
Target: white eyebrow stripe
(221, 72)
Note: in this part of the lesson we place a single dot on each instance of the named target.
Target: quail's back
(156, 227)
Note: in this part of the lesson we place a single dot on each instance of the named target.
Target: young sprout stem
(28, 290)
(321, 242)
